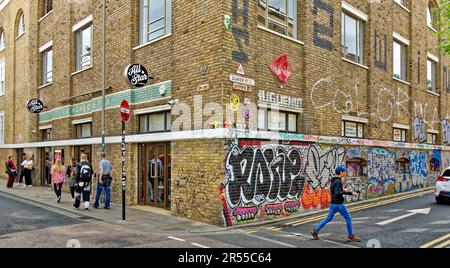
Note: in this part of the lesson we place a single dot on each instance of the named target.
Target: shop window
(399, 135)
(279, 16)
(155, 122)
(84, 130)
(277, 121)
(352, 129)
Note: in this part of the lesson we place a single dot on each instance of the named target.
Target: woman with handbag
(11, 170)
(28, 168)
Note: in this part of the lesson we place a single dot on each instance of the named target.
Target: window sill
(1, 50)
(82, 70)
(2, 95)
(152, 42)
(281, 35)
(434, 93)
(432, 28)
(402, 6)
(355, 63)
(401, 81)
(45, 16)
(45, 85)
(18, 37)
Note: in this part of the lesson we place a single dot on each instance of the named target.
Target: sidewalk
(138, 217)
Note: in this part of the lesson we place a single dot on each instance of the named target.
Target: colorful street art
(265, 181)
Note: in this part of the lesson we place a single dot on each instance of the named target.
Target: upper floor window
(353, 38)
(155, 19)
(400, 58)
(84, 47)
(399, 135)
(2, 127)
(2, 77)
(446, 79)
(432, 138)
(273, 120)
(279, 16)
(402, 2)
(431, 75)
(155, 122)
(47, 66)
(2, 40)
(83, 130)
(48, 6)
(21, 24)
(432, 18)
(47, 134)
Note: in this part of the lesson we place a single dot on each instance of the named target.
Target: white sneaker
(29, 186)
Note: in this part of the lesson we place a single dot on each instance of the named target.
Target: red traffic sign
(125, 111)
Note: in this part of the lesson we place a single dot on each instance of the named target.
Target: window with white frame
(155, 122)
(431, 15)
(21, 25)
(273, 120)
(2, 128)
(83, 130)
(2, 77)
(155, 19)
(402, 2)
(431, 75)
(352, 129)
(446, 80)
(399, 135)
(2, 39)
(353, 38)
(432, 138)
(47, 66)
(48, 6)
(400, 60)
(84, 47)
(279, 16)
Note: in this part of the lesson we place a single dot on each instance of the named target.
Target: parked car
(443, 187)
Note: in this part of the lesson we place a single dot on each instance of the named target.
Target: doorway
(79, 150)
(155, 175)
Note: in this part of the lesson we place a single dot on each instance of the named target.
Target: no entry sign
(125, 111)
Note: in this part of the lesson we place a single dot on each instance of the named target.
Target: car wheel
(439, 200)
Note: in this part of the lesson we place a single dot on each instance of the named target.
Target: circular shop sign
(137, 75)
(35, 106)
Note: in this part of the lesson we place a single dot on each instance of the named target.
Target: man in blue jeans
(105, 168)
(337, 205)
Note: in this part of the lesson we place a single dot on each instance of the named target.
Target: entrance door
(46, 156)
(156, 177)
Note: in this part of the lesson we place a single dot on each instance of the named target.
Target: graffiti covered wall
(266, 181)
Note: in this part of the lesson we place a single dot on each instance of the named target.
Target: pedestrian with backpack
(83, 182)
(105, 168)
(58, 172)
(337, 205)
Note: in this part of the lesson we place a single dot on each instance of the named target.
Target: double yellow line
(362, 207)
(436, 241)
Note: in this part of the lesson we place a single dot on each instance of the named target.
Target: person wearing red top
(11, 170)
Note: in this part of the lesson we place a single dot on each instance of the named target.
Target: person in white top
(28, 165)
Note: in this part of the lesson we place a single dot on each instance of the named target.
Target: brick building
(363, 87)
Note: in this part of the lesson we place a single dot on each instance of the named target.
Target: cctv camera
(173, 102)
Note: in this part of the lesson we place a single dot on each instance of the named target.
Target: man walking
(337, 205)
(83, 182)
(105, 168)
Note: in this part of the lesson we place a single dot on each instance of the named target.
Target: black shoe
(106, 208)
(95, 207)
(315, 235)
(59, 200)
(74, 207)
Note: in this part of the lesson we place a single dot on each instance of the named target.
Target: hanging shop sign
(35, 106)
(137, 75)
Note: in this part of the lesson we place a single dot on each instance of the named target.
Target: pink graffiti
(245, 214)
(274, 209)
(376, 189)
(291, 207)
